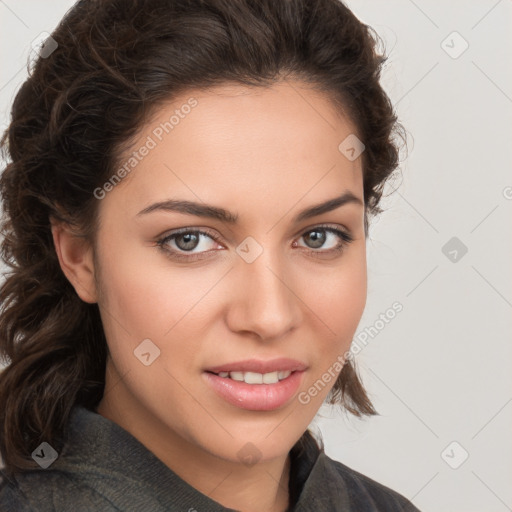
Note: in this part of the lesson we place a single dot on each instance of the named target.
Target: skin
(264, 154)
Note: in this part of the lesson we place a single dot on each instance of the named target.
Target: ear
(76, 260)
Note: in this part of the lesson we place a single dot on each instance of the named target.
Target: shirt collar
(124, 471)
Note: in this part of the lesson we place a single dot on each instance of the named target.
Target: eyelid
(174, 233)
(192, 229)
(217, 238)
(325, 225)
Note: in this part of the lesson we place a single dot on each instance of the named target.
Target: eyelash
(346, 238)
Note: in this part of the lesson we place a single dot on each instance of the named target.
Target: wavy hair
(116, 62)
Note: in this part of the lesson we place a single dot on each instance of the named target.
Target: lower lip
(255, 397)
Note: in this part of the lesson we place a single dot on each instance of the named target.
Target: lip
(254, 397)
(260, 366)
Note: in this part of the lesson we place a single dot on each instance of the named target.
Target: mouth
(258, 367)
(256, 385)
(254, 377)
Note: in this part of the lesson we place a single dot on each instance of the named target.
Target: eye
(186, 240)
(319, 236)
(177, 244)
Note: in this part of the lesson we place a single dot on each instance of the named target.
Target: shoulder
(47, 491)
(11, 497)
(366, 494)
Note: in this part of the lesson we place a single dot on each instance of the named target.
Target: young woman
(186, 206)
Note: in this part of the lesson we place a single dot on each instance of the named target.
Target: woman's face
(265, 289)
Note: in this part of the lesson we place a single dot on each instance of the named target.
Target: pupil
(318, 241)
(190, 238)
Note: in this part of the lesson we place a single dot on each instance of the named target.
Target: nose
(264, 301)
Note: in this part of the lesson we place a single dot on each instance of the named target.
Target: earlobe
(76, 260)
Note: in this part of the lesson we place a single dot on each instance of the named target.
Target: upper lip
(259, 366)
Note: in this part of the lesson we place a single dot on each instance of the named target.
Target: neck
(262, 487)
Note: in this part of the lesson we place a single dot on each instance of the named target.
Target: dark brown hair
(116, 62)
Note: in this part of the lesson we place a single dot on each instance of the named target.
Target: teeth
(257, 378)
(253, 378)
(270, 378)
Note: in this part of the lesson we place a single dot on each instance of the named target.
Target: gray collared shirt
(102, 467)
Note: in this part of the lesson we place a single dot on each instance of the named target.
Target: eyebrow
(214, 212)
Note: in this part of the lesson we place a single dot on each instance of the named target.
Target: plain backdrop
(439, 371)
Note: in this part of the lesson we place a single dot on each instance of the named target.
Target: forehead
(239, 111)
(235, 139)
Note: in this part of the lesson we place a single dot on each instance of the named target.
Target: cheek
(348, 301)
(339, 295)
(144, 298)
(336, 299)
(149, 296)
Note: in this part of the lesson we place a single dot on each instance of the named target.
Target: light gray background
(440, 371)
